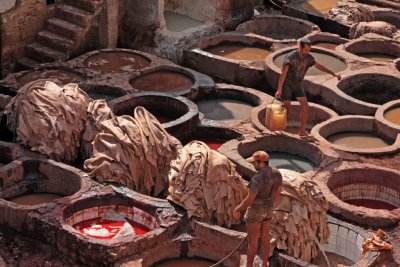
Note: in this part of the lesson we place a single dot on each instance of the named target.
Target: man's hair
(305, 41)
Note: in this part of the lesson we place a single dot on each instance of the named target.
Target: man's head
(259, 159)
(305, 45)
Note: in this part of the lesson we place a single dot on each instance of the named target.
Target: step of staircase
(88, 5)
(73, 14)
(64, 28)
(55, 41)
(43, 53)
(26, 63)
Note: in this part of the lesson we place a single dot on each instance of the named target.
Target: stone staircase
(62, 34)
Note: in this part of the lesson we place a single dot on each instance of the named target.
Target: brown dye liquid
(35, 199)
(335, 260)
(329, 61)
(327, 45)
(320, 6)
(177, 23)
(163, 81)
(357, 140)
(393, 115)
(371, 204)
(116, 62)
(59, 77)
(238, 51)
(377, 56)
(185, 262)
(224, 109)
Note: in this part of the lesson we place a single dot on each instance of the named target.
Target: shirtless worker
(294, 69)
(264, 191)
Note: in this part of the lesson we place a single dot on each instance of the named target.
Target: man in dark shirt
(264, 191)
(294, 69)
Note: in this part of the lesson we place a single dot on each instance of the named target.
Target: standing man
(264, 191)
(294, 69)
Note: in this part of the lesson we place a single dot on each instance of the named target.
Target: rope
(275, 4)
(227, 256)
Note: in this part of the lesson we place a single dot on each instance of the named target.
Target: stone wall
(138, 22)
(142, 26)
(19, 27)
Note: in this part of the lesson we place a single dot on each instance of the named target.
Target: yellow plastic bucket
(275, 116)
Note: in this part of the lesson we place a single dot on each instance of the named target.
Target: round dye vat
(319, 6)
(377, 56)
(393, 115)
(282, 160)
(100, 228)
(327, 45)
(213, 143)
(371, 204)
(164, 119)
(331, 62)
(357, 140)
(107, 97)
(334, 259)
(163, 81)
(238, 51)
(185, 262)
(59, 77)
(177, 23)
(35, 199)
(116, 62)
(225, 109)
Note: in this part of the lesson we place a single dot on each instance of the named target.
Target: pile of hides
(300, 217)
(206, 184)
(376, 242)
(48, 118)
(97, 112)
(377, 27)
(349, 13)
(133, 151)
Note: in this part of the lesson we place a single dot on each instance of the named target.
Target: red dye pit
(213, 143)
(371, 204)
(107, 229)
(164, 119)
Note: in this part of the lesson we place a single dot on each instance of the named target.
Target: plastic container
(276, 116)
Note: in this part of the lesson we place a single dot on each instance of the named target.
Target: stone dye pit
(326, 40)
(213, 136)
(287, 153)
(378, 50)
(227, 103)
(357, 134)
(177, 114)
(317, 114)
(355, 193)
(60, 76)
(363, 86)
(116, 62)
(279, 27)
(238, 51)
(236, 57)
(28, 184)
(166, 81)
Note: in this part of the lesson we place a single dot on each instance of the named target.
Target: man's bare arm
(282, 79)
(326, 70)
(244, 205)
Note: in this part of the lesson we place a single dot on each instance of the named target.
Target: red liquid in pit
(104, 225)
(371, 204)
(213, 143)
